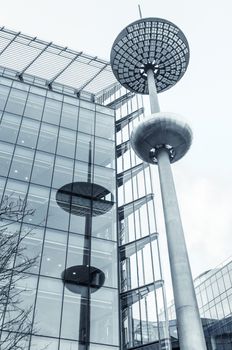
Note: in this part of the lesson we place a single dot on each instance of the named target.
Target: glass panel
(23, 295)
(9, 127)
(4, 91)
(66, 143)
(104, 152)
(48, 307)
(104, 317)
(105, 177)
(53, 261)
(16, 101)
(84, 144)
(70, 318)
(52, 111)
(63, 172)
(38, 200)
(39, 343)
(6, 152)
(28, 133)
(101, 347)
(69, 116)
(81, 171)
(16, 189)
(57, 217)
(86, 121)
(104, 257)
(42, 170)
(104, 226)
(77, 224)
(104, 126)
(47, 138)
(31, 245)
(21, 164)
(34, 106)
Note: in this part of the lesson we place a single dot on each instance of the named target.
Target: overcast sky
(203, 96)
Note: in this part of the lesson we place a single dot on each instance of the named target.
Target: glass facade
(65, 150)
(45, 144)
(214, 296)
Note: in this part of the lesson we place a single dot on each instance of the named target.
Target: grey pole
(190, 330)
(154, 102)
(191, 336)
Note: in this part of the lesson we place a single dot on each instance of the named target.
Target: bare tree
(15, 322)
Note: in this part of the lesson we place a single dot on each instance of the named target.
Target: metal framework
(56, 65)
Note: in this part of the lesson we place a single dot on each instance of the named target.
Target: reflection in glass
(6, 151)
(86, 121)
(104, 152)
(42, 169)
(9, 127)
(104, 316)
(47, 138)
(28, 133)
(51, 112)
(48, 307)
(34, 106)
(40, 343)
(66, 143)
(22, 164)
(4, 91)
(69, 117)
(63, 172)
(54, 252)
(16, 101)
(57, 218)
(37, 200)
(104, 126)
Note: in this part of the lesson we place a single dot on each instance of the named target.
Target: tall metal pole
(191, 336)
(154, 102)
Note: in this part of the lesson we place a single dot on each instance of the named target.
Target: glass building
(214, 296)
(64, 147)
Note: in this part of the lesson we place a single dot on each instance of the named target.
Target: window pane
(6, 151)
(84, 144)
(86, 121)
(9, 127)
(70, 318)
(4, 91)
(52, 111)
(34, 106)
(104, 152)
(21, 164)
(38, 200)
(69, 116)
(63, 172)
(31, 245)
(105, 177)
(104, 126)
(39, 343)
(16, 101)
(57, 217)
(66, 143)
(53, 260)
(81, 171)
(104, 316)
(28, 133)
(104, 257)
(48, 306)
(75, 250)
(47, 138)
(42, 170)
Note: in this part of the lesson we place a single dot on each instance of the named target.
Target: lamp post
(150, 56)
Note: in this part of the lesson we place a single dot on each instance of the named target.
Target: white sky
(203, 177)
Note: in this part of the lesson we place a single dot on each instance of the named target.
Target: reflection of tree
(15, 322)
